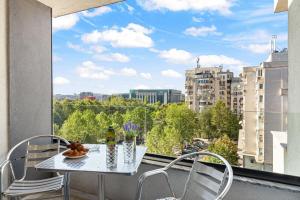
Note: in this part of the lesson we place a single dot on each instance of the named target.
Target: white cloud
(90, 70)
(147, 76)
(256, 41)
(142, 87)
(259, 15)
(98, 48)
(229, 63)
(176, 56)
(128, 72)
(60, 81)
(131, 36)
(197, 19)
(65, 22)
(129, 8)
(261, 36)
(216, 60)
(112, 57)
(171, 73)
(221, 6)
(78, 48)
(258, 48)
(56, 58)
(96, 12)
(202, 31)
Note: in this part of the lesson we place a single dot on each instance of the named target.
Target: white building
(237, 96)
(265, 110)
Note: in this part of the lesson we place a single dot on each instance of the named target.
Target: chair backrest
(37, 151)
(205, 182)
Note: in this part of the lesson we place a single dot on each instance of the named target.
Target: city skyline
(140, 45)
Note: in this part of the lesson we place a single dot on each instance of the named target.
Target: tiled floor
(49, 197)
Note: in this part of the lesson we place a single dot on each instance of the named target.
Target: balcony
(247, 184)
(26, 109)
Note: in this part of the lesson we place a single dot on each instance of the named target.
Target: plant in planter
(131, 130)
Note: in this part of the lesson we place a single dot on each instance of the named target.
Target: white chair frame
(227, 176)
(31, 159)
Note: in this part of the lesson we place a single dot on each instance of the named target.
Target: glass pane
(191, 78)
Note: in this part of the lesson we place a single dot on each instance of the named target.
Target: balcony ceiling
(280, 6)
(64, 7)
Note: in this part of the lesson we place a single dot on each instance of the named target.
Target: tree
(182, 119)
(173, 125)
(104, 122)
(80, 125)
(218, 120)
(226, 148)
(205, 127)
(117, 122)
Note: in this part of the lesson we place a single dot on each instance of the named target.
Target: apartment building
(264, 110)
(164, 96)
(205, 85)
(237, 96)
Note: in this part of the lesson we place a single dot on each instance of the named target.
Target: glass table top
(94, 161)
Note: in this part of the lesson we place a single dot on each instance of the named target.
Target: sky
(143, 44)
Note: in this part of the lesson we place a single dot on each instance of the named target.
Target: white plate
(75, 157)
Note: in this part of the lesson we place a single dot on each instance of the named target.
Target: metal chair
(34, 154)
(203, 182)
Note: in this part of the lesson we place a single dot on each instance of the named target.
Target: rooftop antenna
(198, 62)
(273, 43)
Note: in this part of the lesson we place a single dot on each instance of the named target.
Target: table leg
(67, 186)
(101, 185)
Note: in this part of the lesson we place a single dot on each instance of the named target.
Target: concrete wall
(249, 106)
(30, 74)
(279, 138)
(120, 187)
(275, 108)
(293, 155)
(3, 80)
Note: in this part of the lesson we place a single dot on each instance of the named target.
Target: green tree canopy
(224, 147)
(218, 120)
(173, 125)
(80, 125)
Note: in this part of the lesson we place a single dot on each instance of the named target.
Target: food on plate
(75, 149)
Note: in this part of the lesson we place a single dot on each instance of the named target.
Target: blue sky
(150, 43)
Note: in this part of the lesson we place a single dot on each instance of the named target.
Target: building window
(261, 86)
(259, 72)
(261, 98)
(260, 138)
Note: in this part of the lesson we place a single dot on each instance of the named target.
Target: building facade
(205, 85)
(237, 96)
(164, 96)
(83, 95)
(264, 110)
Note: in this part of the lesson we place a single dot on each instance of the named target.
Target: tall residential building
(237, 96)
(264, 110)
(205, 85)
(164, 96)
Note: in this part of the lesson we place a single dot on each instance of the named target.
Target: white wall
(3, 79)
(293, 148)
(279, 151)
